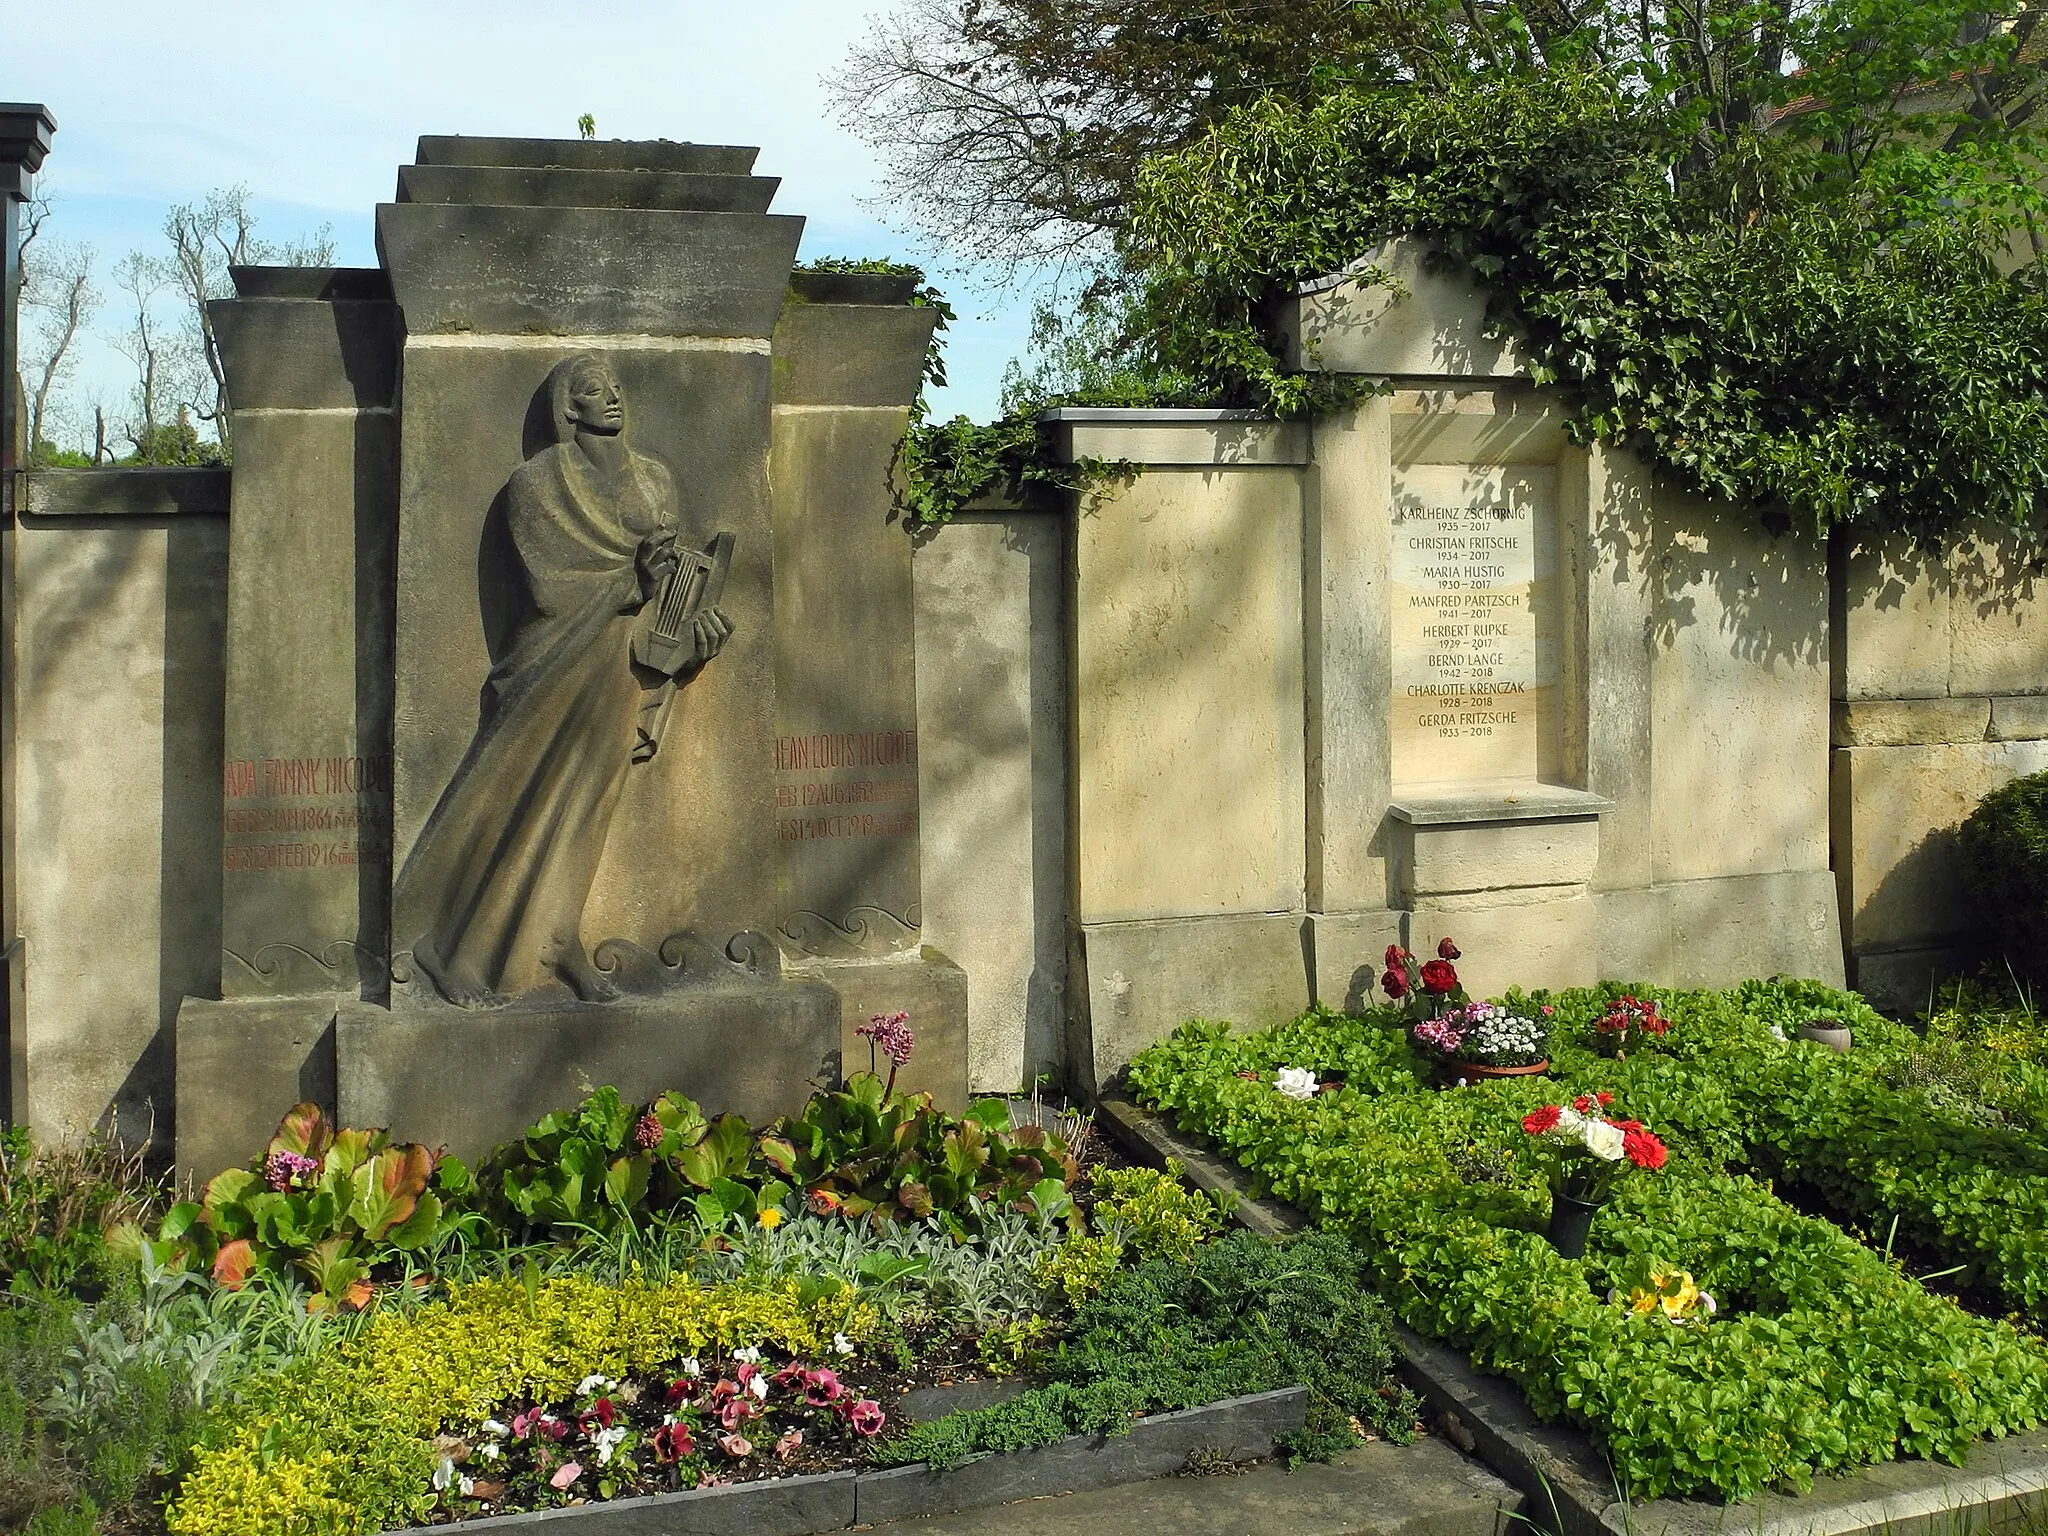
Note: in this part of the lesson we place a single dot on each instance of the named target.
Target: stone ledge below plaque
(1494, 838)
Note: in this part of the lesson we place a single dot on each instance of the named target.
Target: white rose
(1604, 1141)
(1569, 1122)
(1296, 1082)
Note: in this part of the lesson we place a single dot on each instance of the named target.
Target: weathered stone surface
(1188, 696)
(562, 187)
(143, 493)
(1895, 624)
(1429, 323)
(1911, 722)
(1175, 436)
(1348, 951)
(922, 983)
(308, 354)
(1715, 933)
(241, 1064)
(586, 271)
(1239, 1428)
(2019, 718)
(853, 356)
(1135, 983)
(1540, 936)
(330, 284)
(1348, 646)
(1896, 811)
(1426, 1489)
(846, 763)
(783, 1506)
(471, 1080)
(811, 286)
(990, 593)
(306, 778)
(1446, 858)
(588, 154)
(117, 735)
(1739, 697)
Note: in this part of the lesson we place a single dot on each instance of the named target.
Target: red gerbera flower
(1643, 1149)
(1538, 1121)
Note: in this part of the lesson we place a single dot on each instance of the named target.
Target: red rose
(1538, 1121)
(1439, 976)
(1446, 949)
(1643, 1149)
(1395, 985)
(1396, 956)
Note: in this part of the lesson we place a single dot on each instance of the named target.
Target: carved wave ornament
(865, 930)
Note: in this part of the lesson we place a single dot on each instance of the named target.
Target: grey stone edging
(1241, 1428)
(1567, 1483)
(128, 491)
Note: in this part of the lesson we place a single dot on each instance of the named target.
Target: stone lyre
(663, 642)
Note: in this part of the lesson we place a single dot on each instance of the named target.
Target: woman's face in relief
(596, 404)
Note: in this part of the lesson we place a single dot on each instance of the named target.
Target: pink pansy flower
(736, 1445)
(822, 1388)
(867, 1417)
(566, 1474)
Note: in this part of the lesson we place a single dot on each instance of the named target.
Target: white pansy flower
(757, 1388)
(606, 1442)
(691, 1368)
(467, 1487)
(1296, 1082)
(588, 1385)
(841, 1344)
(493, 1427)
(444, 1474)
(1604, 1141)
(747, 1356)
(489, 1452)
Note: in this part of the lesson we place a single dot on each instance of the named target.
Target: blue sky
(315, 107)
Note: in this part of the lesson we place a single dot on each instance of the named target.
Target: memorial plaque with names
(1475, 672)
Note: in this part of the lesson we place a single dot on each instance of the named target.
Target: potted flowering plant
(1423, 989)
(1480, 1039)
(1625, 1016)
(1587, 1153)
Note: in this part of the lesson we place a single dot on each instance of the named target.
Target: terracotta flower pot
(1570, 1222)
(1834, 1036)
(1471, 1069)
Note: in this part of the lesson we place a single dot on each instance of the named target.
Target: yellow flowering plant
(345, 1442)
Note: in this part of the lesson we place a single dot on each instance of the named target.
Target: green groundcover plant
(1823, 1355)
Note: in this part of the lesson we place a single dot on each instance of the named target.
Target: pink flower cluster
(281, 1170)
(647, 1132)
(891, 1034)
(1439, 1035)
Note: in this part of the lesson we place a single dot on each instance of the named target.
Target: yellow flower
(772, 1217)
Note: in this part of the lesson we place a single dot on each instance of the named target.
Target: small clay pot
(1832, 1035)
(1472, 1069)
(1570, 1221)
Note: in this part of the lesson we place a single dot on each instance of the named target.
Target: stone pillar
(25, 131)
(1348, 646)
(849, 361)
(311, 358)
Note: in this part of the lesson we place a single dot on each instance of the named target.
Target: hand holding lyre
(708, 633)
(655, 560)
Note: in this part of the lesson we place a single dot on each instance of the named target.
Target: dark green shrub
(57, 1202)
(1245, 1315)
(2005, 860)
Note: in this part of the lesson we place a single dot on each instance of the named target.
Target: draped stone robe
(505, 863)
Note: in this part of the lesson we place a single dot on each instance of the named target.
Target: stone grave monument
(571, 728)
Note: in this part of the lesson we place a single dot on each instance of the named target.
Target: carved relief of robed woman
(504, 866)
